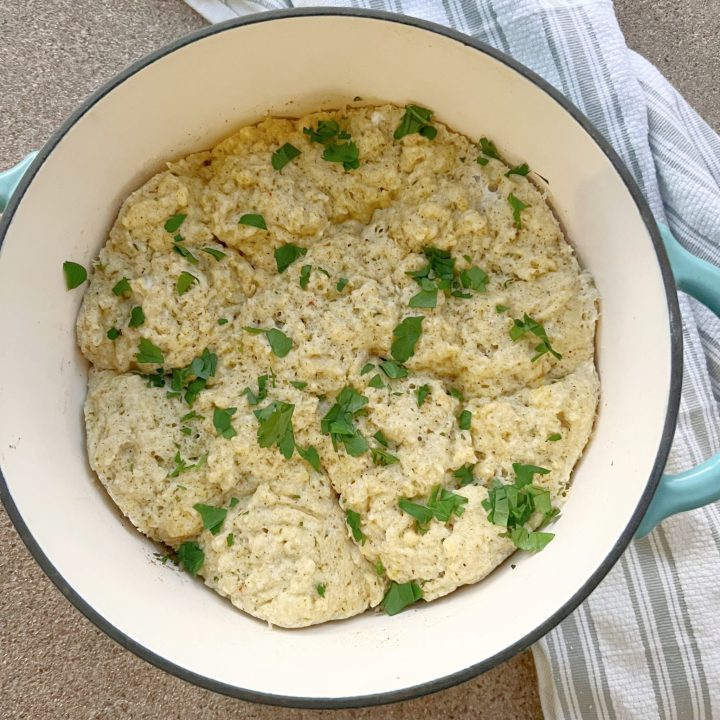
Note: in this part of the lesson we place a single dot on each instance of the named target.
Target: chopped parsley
(121, 287)
(416, 120)
(305, 271)
(222, 420)
(501, 308)
(345, 153)
(287, 254)
(279, 342)
(222, 321)
(275, 427)
(376, 382)
(338, 422)
(465, 474)
(212, 517)
(427, 297)
(113, 333)
(366, 368)
(422, 393)
(393, 370)
(172, 224)
(422, 514)
(517, 206)
(184, 282)
(382, 457)
(149, 353)
(283, 155)
(482, 160)
(217, 254)
(441, 505)
(191, 556)
(182, 467)
(75, 274)
(230, 539)
(511, 506)
(326, 131)
(341, 283)
(183, 251)
(310, 455)
(474, 279)
(401, 595)
(553, 437)
(488, 149)
(193, 378)
(320, 589)
(406, 335)
(253, 220)
(253, 330)
(354, 521)
(518, 170)
(379, 568)
(233, 502)
(465, 420)
(137, 317)
(527, 325)
(457, 394)
(192, 415)
(299, 384)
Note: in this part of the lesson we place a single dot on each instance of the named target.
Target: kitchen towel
(646, 643)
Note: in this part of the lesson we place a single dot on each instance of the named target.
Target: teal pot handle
(10, 179)
(700, 485)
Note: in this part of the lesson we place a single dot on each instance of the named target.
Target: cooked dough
(283, 550)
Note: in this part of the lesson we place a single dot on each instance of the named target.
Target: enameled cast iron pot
(184, 98)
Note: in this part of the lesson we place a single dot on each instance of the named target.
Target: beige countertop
(53, 662)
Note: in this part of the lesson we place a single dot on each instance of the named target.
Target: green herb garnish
(253, 220)
(121, 287)
(376, 382)
(553, 437)
(183, 251)
(172, 224)
(184, 282)
(465, 474)
(427, 297)
(234, 501)
(422, 514)
(222, 321)
(191, 556)
(382, 457)
(501, 308)
(217, 254)
(320, 589)
(275, 427)
(149, 353)
(527, 324)
(182, 467)
(212, 517)
(422, 393)
(488, 148)
(222, 420)
(279, 342)
(465, 420)
(283, 155)
(354, 521)
(299, 384)
(517, 206)
(474, 279)
(406, 335)
(137, 317)
(305, 271)
(441, 505)
(327, 130)
(75, 274)
(341, 283)
(287, 254)
(310, 455)
(518, 170)
(230, 539)
(338, 422)
(393, 370)
(416, 120)
(379, 568)
(401, 595)
(345, 153)
(366, 368)
(113, 333)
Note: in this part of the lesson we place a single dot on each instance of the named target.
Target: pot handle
(9, 179)
(699, 485)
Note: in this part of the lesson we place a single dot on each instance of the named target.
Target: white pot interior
(186, 100)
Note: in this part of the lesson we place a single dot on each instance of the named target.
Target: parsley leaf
(416, 120)
(326, 131)
(341, 283)
(532, 541)
(310, 455)
(280, 343)
(482, 160)
(488, 148)
(222, 422)
(527, 324)
(113, 333)
(184, 282)
(137, 317)
(366, 368)
(444, 503)
(149, 353)
(222, 321)
(354, 521)
(422, 514)
(465, 474)
(253, 220)
(212, 517)
(338, 422)
(172, 224)
(553, 437)
(457, 394)
(230, 539)
(517, 205)
(426, 298)
(379, 568)
(345, 153)
(422, 393)
(275, 427)
(474, 279)
(305, 271)
(254, 399)
(393, 370)
(253, 330)
(217, 254)
(121, 287)
(518, 170)
(183, 251)
(299, 384)
(406, 335)
(501, 308)
(233, 502)
(287, 254)
(401, 595)
(75, 274)
(192, 415)
(283, 155)
(382, 457)
(191, 556)
(524, 473)
(376, 382)
(465, 420)
(182, 467)
(320, 589)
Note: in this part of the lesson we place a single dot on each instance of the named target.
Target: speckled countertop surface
(53, 662)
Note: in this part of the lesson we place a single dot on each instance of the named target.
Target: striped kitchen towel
(646, 643)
